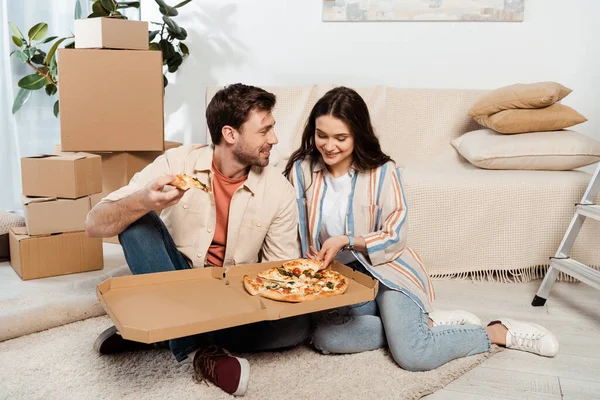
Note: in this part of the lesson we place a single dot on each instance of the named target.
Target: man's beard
(246, 157)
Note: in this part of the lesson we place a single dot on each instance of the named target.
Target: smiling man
(247, 214)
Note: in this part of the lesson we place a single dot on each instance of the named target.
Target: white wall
(284, 42)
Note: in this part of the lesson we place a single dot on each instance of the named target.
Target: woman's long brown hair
(346, 105)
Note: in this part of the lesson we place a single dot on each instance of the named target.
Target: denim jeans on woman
(393, 319)
(149, 247)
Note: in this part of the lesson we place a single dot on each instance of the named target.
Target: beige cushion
(552, 118)
(557, 150)
(10, 220)
(520, 95)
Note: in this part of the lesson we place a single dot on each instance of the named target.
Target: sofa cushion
(520, 95)
(556, 150)
(551, 118)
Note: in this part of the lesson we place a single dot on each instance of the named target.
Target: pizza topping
(287, 290)
(284, 272)
(259, 280)
(296, 271)
(318, 275)
(330, 285)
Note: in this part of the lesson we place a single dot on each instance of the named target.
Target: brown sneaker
(230, 373)
(110, 342)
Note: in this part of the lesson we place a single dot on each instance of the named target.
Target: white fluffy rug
(60, 364)
(38, 304)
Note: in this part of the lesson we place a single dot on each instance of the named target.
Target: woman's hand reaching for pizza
(154, 198)
(329, 250)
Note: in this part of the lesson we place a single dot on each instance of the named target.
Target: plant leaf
(182, 35)
(173, 68)
(12, 52)
(165, 81)
(171, 24)
(38, 31)
(53, 50)
(30, 52)
(51, 89)
(153, 46)
(77, 12)
(49, 39)
(183, 3)
(152, 35)
(109, 5)
(56, 109)
(18, 42)
(70, 45)
(175, 60)
(98, 9)
(16, 31)
(169, 11)
(128, 4)
(32, 82)
(22, 56)
(53, 66)
(161, 3)
(166, 48)
(20, 99)
(38, 59)
(184, 49)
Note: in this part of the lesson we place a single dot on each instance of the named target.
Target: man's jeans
(393, 319)
(149, 247)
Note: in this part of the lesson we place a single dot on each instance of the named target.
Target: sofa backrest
(412, 124)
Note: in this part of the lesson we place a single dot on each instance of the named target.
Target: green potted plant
(168, 39)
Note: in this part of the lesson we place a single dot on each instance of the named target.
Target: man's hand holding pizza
(153, 196)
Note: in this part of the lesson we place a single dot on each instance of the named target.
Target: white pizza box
(150, 308)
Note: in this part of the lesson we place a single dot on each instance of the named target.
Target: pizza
(185, 182)
(297, 281)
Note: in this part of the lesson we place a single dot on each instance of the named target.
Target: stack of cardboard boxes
(111, 118)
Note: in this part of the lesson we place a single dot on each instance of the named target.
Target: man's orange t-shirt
(223, 189)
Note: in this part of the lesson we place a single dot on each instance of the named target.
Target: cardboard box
(46, 215)
(119, 167)
(153, 307)
(64, 175)
(111, 100)
(111, 33)
(35, 257)
(4, 248)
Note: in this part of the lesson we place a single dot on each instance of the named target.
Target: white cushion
(554, 150)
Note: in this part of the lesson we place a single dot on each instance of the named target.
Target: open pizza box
(153, 307)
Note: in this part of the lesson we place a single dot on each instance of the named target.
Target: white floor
(572, 312)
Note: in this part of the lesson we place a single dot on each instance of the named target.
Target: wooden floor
(572, 312)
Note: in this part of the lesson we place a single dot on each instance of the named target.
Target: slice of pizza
(303, 264)
(258, 285)
(279, 274)
(185, 182)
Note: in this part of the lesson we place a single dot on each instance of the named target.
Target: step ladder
(561, 260)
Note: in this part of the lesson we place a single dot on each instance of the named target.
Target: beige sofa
(464, 221)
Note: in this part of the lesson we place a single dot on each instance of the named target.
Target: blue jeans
(149, 247)
(393, 319)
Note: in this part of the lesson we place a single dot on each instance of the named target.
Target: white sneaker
(530, 337)
(453, 317)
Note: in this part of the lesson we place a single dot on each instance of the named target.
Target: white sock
(192, 355)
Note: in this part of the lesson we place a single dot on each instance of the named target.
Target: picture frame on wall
(424, 10)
